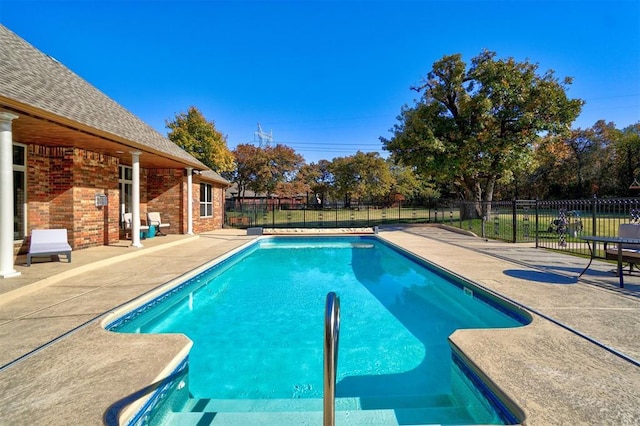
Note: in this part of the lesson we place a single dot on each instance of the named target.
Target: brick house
(70, 157)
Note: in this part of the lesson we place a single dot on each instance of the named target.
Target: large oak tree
(474, 126)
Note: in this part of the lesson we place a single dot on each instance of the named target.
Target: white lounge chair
(127, 218)
(48, 242)
(153, 219)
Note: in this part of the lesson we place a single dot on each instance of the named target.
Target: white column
(6, 196)
(189, 201)
(135, 200)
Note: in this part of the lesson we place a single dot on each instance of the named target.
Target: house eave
(36, 126)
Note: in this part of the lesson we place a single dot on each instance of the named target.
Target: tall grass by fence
(555, 225)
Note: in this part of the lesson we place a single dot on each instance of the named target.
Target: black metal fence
(273, 214)
(567, 220)
(555, 225)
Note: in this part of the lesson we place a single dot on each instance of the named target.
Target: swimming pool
(256, 322)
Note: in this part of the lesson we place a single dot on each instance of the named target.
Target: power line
(324, 144)
(327, 144)
(342, 150)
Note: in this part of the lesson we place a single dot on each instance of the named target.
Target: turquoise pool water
(256, 322)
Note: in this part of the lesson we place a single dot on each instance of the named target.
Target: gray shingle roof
(31, 77)
(211, 176)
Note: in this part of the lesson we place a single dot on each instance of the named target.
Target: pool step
(311, 404)
(408, 410)
(412, 416)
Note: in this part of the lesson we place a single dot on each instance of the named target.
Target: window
(19, 191)
(206, 204)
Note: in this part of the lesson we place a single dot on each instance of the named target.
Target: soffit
(29, 129)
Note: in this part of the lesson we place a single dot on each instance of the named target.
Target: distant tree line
(496, 129)
(601, 160)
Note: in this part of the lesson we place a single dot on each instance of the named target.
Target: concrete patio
(576, 363)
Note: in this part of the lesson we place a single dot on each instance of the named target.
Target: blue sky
(327, 77)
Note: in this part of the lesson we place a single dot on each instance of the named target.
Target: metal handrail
(331, 337)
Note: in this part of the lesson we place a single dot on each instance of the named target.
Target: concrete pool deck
(60, 367)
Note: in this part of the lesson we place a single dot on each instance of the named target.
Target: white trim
(189, 200)
(23, 169)
(135, 200)
(208, 202)
(122, 184)
(7, 269)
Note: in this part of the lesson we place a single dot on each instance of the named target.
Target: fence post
(514, 220)
(537, 217)
(594, 222)
(265, 214)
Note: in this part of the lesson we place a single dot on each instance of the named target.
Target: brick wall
(218, 206)
(61, 162)
(164, 194)
(38, 188)
(38, 192)
(61, 186)
(95, 173)
(62, 183)
(205, 224)
(167, 191)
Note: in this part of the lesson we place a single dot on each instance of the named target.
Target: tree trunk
(488, 195)
(477, 198)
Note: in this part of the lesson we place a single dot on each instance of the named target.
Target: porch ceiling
(29, 129)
